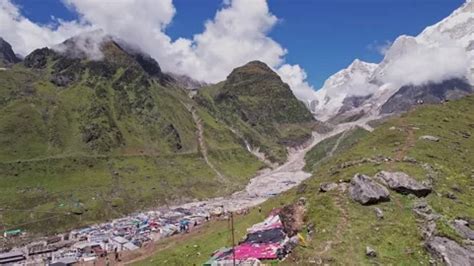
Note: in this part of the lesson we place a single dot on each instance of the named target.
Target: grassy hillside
(342, 227)
(255, 102)
(333, 146)
(85, 141)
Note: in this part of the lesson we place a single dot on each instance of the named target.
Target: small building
(130, 246)
(66, 261)
(119, 242)
(12, 233)
(11, 257)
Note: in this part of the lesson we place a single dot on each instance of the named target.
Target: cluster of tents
(264, 241)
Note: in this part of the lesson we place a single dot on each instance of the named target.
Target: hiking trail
(202, 144)
(336, 145)
(340, 201)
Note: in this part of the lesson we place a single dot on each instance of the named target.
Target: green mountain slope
(342, 228)
(87, 140)
(255, 102)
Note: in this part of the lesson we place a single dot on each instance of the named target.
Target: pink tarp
(257, 251)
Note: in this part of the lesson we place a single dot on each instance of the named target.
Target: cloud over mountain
(237, 34)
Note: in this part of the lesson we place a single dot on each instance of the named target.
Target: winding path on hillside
(202, 144)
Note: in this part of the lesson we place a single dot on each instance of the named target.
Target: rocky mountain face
(434, 62)
(120, 97)
(259, 105)
(7, 56)
(408, 96)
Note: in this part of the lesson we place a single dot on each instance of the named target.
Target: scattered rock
(423, 210)
(365, 191)
(430, 138)
(402, 183)
(407, 159)
(450, 195)
(370, 252)
(463, 229)
(343, 186)
(450, 252)
(378, 213)
(326, 187)
(465, 134)
(456, 188)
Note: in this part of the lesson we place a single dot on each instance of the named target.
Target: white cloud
(25, 35)
(380, 47)
(295, 76)
(424, 63)
(237, 34)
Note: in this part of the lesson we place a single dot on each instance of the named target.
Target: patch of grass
(346, 141)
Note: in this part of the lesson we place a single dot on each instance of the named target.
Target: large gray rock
(450, 252)
(366, 191)
(463, 229)
(402, 183)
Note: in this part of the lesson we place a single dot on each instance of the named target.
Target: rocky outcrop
(366, 191)
(431, 93)
(402, 183)
(428, 218)
(7, 56)
(292, 217)
(326, 187)
(450, 252)
(463, 229)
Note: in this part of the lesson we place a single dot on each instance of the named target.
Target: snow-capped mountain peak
(441, 52)
(354, 80)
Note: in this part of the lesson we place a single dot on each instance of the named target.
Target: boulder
(430, 138)
(370, 252)
(325, 187)
(450, 252)
(365, 191)
(463, 229)
(402, 183)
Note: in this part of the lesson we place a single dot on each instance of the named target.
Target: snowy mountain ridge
(441, 52)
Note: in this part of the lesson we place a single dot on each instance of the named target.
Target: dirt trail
(409, 141)
(336, 145)
(340, 201)
(202, 144)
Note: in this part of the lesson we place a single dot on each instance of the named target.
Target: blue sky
(322, 36)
